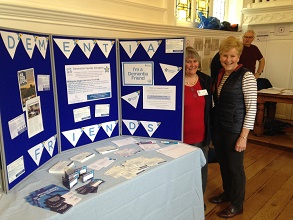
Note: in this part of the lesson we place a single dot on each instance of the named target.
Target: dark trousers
(204, 170)
(231, 166)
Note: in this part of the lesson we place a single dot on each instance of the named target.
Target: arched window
(187, 10)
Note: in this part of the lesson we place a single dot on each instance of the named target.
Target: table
(263, 98)
(171, 190)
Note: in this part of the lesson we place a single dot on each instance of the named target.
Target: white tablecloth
(171, 190)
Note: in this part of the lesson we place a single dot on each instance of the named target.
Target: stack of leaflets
(61, 167)
(52, 197)
(71, 176)
(91, 187)
(82, 157)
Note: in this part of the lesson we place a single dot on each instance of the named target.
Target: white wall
(278, 52)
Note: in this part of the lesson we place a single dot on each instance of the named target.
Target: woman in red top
(197, 107)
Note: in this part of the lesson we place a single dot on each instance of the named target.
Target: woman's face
(229, 60)
(191, 66)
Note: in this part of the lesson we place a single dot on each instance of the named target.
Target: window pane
(219, 9)
(202, 6)
(183, 8)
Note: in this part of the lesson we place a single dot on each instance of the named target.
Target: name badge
(202, 92)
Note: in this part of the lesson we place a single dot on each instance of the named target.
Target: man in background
(251, 54)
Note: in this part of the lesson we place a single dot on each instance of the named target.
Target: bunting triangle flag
(10, 40)
(36, 153)
(29, 43)
(50, 145)
(42, 45)
(169, 71)
(130, 47)
(132, 98)
(73, 135)
(150, 126)
(91, 131)
(105, 46)
(132, 125)
(66, 46)
(109, 127)
(151, 46)
(86, 46)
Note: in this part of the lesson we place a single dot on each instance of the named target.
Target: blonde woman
(235, 96)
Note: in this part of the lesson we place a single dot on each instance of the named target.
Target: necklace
(191, 83)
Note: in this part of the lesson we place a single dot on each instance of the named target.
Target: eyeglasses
(248, 37)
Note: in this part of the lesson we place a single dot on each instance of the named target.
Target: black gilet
(231, 105)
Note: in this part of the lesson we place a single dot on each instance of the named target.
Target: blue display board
(28, 128)
(152, 87)
(87, 89)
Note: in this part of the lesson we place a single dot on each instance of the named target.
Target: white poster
(159, 97)
(174, 45)
(43, 82)
(137, 73)
(34, 116)
(17, 126)
(15, 169)
(81, 114)
(88, 82)
(102, 110)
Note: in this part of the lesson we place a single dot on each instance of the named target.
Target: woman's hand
(241, 144)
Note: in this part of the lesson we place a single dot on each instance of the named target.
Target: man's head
(248, 37)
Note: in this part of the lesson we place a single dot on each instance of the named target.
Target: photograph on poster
(27, 85)
(215, 44)
(159, 97)
(138, 73)
(198, 44)
(34, 116)
(207, 46)
(88, 82)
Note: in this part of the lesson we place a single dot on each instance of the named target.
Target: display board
(28, 128)
(152, 87)
(87, 89)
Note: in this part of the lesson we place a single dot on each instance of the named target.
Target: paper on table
(149, 147)
(125, 141)
(82, 157)
(177, 150)
(270, 91)
(61, 166)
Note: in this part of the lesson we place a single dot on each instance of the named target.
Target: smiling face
(229, 60)
(191, 66)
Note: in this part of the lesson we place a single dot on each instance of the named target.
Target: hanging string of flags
(12, 39)
(86, 46)
(29, 42)
(150, 47)
(37, 151)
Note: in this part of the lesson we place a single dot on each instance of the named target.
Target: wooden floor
(269, 184)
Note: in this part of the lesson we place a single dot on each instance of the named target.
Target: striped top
(249, 88)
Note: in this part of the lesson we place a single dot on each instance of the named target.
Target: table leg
(259, 120)
(271, 109)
